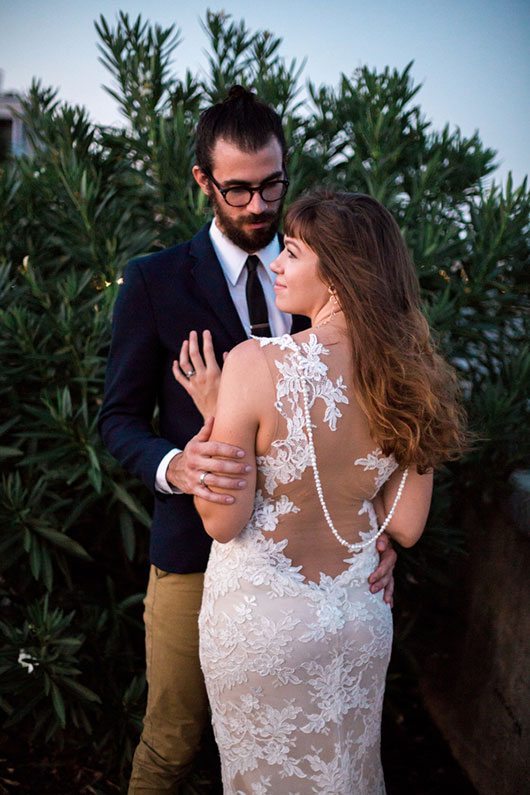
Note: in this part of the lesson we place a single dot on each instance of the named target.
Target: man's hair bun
(241, 118)
(239, 92)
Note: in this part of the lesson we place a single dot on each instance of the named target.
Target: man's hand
(221, 463)
(383, 577)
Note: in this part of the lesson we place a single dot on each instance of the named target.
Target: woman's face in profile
(298, 287)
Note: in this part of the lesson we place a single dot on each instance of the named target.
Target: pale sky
(472, 56)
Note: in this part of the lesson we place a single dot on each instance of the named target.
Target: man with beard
(218, 284)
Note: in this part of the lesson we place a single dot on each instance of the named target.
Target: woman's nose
(276, 265)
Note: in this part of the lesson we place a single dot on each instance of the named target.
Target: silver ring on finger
(190, 373)
(202, 478)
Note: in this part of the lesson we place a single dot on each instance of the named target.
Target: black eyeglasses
(240, 196)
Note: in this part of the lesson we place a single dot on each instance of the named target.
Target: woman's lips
(278, 286)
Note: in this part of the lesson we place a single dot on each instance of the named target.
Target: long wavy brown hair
(408, 391)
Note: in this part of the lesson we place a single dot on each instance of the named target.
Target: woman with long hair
(344, 424)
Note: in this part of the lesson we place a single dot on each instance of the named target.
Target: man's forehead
(231, 162)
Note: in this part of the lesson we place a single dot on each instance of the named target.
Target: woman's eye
(290, 254)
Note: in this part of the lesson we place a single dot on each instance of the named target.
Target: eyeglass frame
(224, 191)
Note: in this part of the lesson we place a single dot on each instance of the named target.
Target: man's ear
(201, 179)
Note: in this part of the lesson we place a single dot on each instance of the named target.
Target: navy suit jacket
(165, 296)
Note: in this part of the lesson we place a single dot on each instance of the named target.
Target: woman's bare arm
(242, 392)
(410, 515)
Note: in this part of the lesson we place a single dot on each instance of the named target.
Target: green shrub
(73, 538)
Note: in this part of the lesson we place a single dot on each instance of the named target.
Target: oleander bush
(74, 525)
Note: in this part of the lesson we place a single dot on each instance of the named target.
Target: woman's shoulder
(245, 361)
(253, 349)
(243, 354)
(246, 377)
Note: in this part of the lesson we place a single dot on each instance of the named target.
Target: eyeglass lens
(272, 192)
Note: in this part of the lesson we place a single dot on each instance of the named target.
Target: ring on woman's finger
(202, 477)
(190, 373)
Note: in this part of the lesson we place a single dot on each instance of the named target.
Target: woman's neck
(328, 314)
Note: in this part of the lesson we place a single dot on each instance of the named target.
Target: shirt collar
(232, 258)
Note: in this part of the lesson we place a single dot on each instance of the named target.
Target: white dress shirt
(232, 260)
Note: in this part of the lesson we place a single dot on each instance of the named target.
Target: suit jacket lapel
(211, 284)
(300, 323)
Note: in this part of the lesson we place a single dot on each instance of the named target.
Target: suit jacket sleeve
(132, 381)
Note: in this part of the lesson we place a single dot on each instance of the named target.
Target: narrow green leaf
(58, 705)
(63, 541)
(135, 508)
(10, 452)
(81, 690)
(127, 534)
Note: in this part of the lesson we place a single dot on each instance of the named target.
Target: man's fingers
(389, 593)
(220, 467)
(386, 565)
(205, 431)
(220, 450)
(378, 573)
(213, 480)
(380, 583)
(389, 558)
(211, 496)
(382, 576)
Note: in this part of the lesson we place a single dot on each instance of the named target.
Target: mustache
(261, 218)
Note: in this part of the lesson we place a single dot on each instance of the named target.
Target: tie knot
(252, 263)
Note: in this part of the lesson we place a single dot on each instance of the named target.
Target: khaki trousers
(177, 705)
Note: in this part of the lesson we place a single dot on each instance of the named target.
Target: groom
(209, 282)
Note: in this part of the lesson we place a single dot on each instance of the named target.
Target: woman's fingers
(198, 372)
(194, 353)
(184, 358)
(208, 351)
(179, 376)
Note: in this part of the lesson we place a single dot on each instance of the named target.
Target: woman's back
(351, 467)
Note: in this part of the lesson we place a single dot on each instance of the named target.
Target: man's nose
(257, 205)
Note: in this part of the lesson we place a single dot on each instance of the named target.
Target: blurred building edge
(13, 140)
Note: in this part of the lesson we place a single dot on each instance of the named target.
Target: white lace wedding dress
(293, 645)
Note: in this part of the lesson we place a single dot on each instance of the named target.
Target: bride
(345, 423)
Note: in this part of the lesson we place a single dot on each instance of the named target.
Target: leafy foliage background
(73, 525)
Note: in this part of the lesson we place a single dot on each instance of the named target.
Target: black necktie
(257, 306)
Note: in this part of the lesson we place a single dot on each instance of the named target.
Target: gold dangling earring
(333, 299)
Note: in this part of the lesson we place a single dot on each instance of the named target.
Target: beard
(252, 240)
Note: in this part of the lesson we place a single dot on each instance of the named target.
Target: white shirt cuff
(161, 483)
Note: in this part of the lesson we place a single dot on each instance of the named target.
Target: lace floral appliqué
(384, 465)
(295, 669)
(290, 456)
